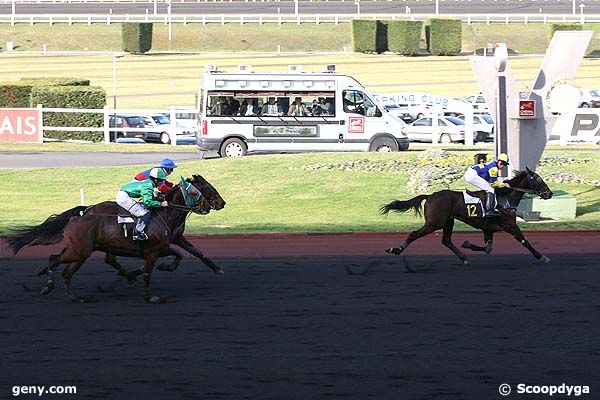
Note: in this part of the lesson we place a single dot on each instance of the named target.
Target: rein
(516, 189)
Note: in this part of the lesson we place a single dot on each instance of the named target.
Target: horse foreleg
(414, 235)
(174, 264)
(149, 261)
(68, 275)
(111, 260)
(182, 242)
(447, 241)
(488, 237)
(514, 230)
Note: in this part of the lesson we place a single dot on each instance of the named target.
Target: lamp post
(169, 18)
(115, 56)
(581, 7)
(357, 3)
(437, 7)
(574, 8)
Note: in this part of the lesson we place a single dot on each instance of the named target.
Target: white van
(292, 112)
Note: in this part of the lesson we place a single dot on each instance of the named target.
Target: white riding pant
(474, 179)
(125, 201)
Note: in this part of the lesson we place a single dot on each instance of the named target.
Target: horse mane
(512, 182)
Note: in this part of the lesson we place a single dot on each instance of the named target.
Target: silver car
(451, 129)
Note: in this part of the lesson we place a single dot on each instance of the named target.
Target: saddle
(502, 200)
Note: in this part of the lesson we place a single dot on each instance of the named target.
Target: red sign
(20, 125)
(527, 108)
(356, 125)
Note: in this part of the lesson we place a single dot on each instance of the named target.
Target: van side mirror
(378, 112)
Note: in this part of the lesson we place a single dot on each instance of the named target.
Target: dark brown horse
(443, 207)
(100, 232)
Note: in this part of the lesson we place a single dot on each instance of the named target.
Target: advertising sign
(20, 125)
(526, 109)
(356, 125)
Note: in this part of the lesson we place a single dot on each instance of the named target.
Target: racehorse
(443, 207)
(100, 232)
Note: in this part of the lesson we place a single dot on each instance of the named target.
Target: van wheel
(384, 145)
(420, 115)
(585, 105)
(233, 147)
(164, 138)
(445, 139)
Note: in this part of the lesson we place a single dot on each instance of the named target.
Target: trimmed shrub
(444, 36)
(364, 36)
(15, 95)
(137, 37)
(562, 26)
(369, 36)
(52, 81)
(71, 97)
(404, 37)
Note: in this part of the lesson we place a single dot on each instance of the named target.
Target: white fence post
(106, 118)
(173, 126)
(41, 122)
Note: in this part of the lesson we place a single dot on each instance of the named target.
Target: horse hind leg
(111, 260)
(53, 262)
(419, 233)
(447, 241)
(488, 238)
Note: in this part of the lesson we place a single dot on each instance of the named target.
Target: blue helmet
(168, 163)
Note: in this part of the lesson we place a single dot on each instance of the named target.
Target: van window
(270, 104)
(356, 102)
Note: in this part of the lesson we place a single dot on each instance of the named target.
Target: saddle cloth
(470, 199)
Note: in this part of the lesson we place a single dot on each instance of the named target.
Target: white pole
(170, 24)
(82, 197)
(574, 8)
(14, 8)
(114, 82)
(296, 8)
(581, 7)
(155, 8)
(437, 7)
(357, 2)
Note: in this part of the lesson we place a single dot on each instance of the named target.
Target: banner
(20, 125)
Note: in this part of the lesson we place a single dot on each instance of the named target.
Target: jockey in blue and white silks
(485, 177)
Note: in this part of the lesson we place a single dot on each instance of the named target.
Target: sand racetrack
(300, 327)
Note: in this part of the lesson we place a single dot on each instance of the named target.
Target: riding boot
(141, 224)
(490, 205)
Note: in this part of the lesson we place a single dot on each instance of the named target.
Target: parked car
(483, 125)
(589, 98)
(478, 103)
(451, 129)
(400, 112)
(126, 121)
(162, 131)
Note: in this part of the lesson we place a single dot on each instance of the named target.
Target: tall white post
(115, 56)
(437, 7)
(155, 8)
(170, 23)
(574, 8)
(296, 8)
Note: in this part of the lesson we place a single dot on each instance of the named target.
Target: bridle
(537, 192)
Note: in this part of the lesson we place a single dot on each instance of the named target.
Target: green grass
(272, 193)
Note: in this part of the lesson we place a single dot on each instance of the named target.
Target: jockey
(143, 190)
(168, 166)
(485, 177)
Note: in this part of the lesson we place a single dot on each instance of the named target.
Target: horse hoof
(219, 272)
(544, 260)
(46, 289)
(394, 250)
(152, 299)
(466, 244)
(80, 300)
(466, 262)
(42, 271)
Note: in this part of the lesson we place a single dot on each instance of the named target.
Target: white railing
(260, 19)
(106, 130)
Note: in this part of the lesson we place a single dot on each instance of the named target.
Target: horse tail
(48, 232)
(402, 206)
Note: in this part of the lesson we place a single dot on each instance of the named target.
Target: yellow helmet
(504, 158)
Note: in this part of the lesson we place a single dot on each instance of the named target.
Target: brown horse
(443, 207)
(100, 232)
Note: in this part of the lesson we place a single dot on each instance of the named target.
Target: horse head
(204, 196)
(535, 182)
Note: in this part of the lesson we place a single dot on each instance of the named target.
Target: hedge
(71, 97)
(55, 81)
(404, 37)
(444, 36)
(136, 37)
(369, 36)
(15, 95)
(562, 26)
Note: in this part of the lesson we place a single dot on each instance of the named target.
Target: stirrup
(492, 213)
(140, 236)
